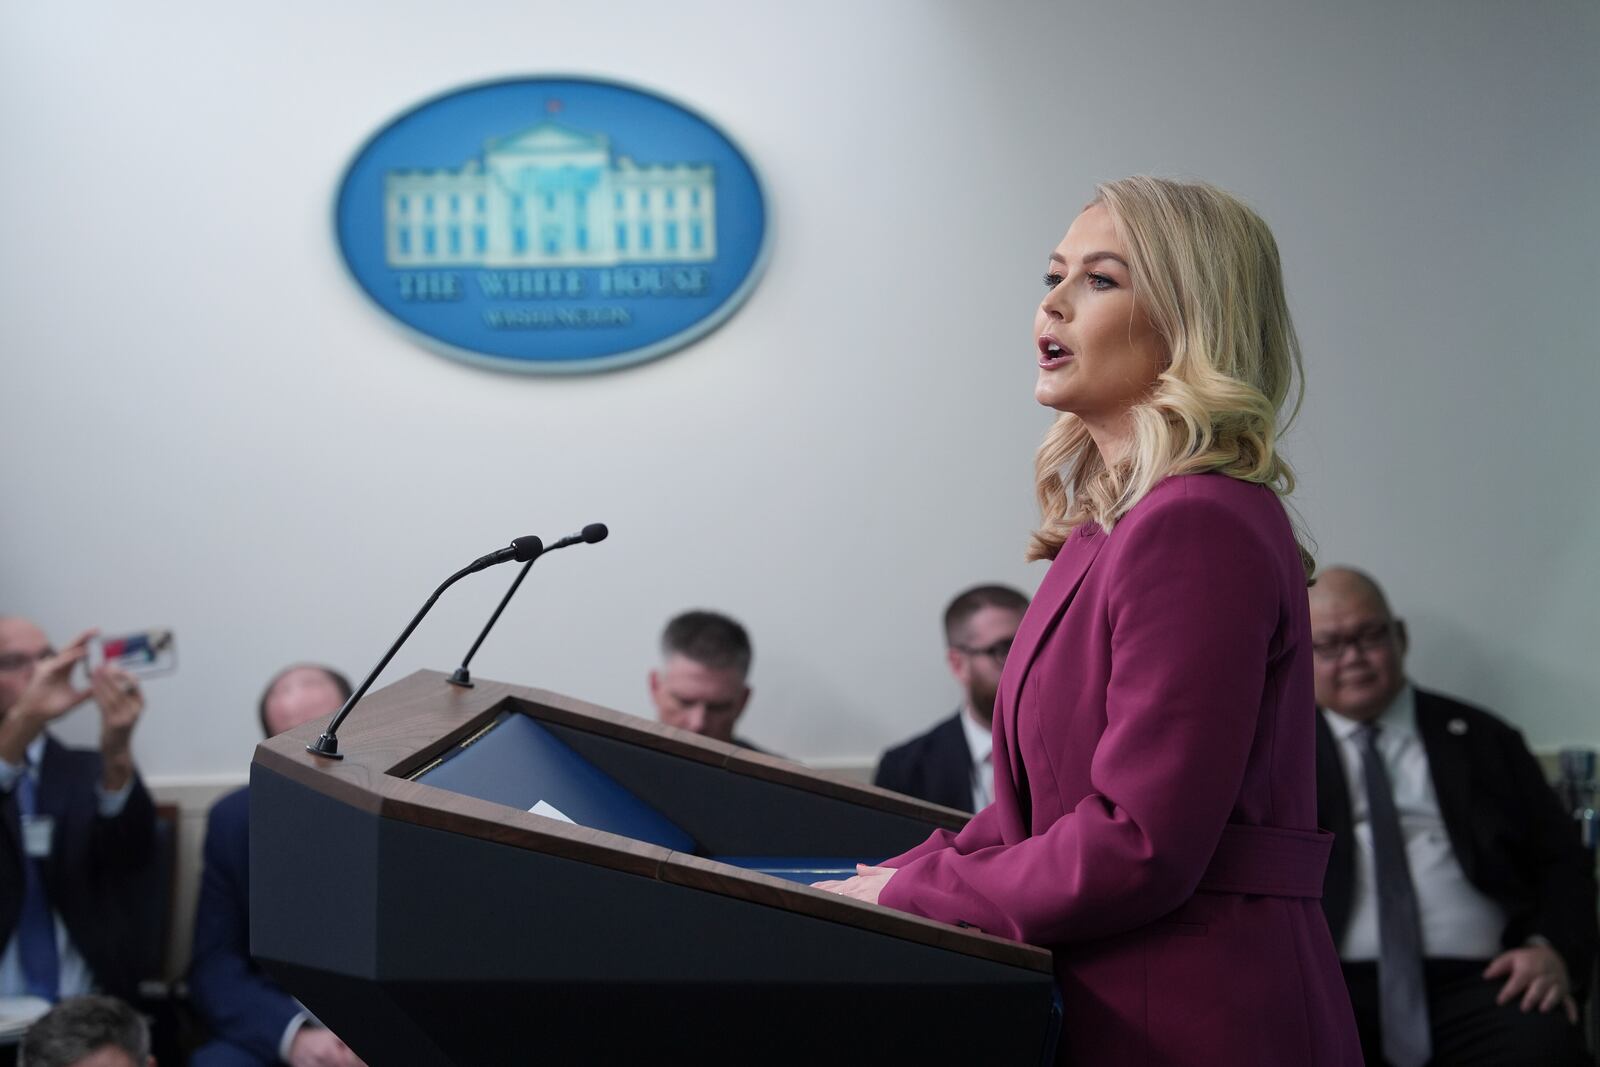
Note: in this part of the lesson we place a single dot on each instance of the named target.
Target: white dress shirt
(980, 744)
(1458, 922)
(75, 977)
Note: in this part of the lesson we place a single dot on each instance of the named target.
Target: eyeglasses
(15, 661)
(996, 651)
(1367, 639)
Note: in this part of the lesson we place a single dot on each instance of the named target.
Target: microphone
(591, 534)
(523, 548)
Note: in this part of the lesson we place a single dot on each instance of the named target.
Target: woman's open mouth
(1052, 353)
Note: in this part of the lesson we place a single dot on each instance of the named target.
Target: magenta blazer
(1154, 821)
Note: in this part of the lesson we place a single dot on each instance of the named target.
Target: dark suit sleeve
(122, 843)
(1564, 871)
(236, 1000)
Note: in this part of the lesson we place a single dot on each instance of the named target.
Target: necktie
(1402, 996)
(36, 927)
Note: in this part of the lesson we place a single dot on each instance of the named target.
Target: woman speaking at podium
(1154, 821)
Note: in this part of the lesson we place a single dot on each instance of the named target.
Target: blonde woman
(1154, 821)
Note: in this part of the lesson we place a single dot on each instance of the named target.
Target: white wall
(206, 426)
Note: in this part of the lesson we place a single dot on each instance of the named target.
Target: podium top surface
(405, 729)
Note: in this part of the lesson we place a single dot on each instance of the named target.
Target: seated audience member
(1458, 893)
(951, 764)
(700, 685)
(79, 824)
(87, 1031)
(251, 1019)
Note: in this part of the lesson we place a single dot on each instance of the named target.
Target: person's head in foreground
(1164, 341)
(89, 1031)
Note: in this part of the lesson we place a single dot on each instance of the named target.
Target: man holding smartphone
(77, 824)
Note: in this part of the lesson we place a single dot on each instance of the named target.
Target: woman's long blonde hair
(1205, 270)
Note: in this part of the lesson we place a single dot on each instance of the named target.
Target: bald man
(254, 1022)
(77, 826)
(1458, 893)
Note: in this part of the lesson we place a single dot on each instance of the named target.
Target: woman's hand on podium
(866, 885)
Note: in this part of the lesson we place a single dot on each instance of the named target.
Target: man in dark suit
(950, 764)
(78, 824)
(1458, 893)
(252, 1020)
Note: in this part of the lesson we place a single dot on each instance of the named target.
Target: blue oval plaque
(553, 224)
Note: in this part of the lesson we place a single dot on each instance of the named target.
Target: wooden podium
(410, 900)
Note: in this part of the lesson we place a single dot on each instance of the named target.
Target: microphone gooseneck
(590, 534)
(523, 548)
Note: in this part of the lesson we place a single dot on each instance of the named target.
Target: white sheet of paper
(549, 811)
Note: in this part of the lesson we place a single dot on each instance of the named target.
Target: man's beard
(981, 696)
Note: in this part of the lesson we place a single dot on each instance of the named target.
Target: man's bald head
(15, 627)
(1358, 645)
(1347, 582)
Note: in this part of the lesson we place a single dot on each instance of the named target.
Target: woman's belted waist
(1268, 861)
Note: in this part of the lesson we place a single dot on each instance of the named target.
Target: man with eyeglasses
(78, 824)
(1457, 891)
(951, 764)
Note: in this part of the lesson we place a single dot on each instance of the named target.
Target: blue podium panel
(520, 764)
(802, 869)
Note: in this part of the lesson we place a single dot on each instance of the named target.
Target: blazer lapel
(54, 790)
(1450, 770)
(953, 766)
(1333, 815)
(1048, 605)
(43, 796)
(12, 819)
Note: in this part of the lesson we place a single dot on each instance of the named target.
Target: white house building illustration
(550, 197)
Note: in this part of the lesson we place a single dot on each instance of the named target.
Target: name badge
(38, 832)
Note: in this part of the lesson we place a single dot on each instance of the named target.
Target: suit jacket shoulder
(1439, 706)
(935, 766)
(1511, 835)
(230, 814)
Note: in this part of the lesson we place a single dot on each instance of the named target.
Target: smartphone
(144, 653)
